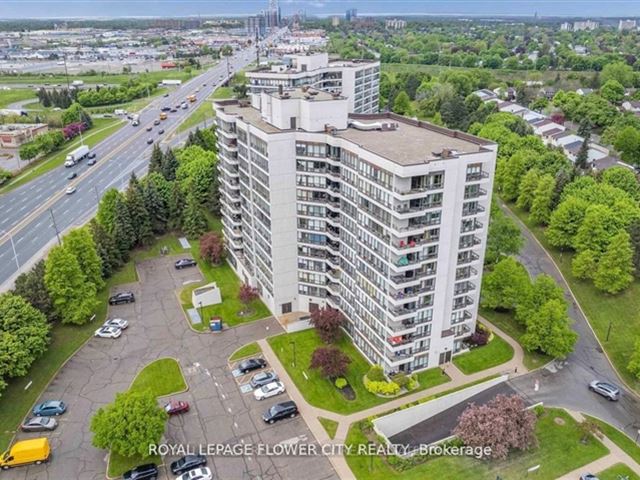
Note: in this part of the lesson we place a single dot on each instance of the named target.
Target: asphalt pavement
(31, 215)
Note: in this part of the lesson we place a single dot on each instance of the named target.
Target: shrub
(401, 379)
(341, 382)
(381, 388)
(376, 374)
(480, 336)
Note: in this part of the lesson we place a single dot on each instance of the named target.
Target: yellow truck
(36, 450)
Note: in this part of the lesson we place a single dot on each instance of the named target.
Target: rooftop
(310, 94)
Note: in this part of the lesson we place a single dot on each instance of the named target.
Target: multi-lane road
(31, 215)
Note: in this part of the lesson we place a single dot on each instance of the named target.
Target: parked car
(149, 141)
(269, 390)
(72, 175)
(263, 378)
(142, 472)
(188, 462)
(122, 297)
(588, 476)
(39, 424)
(116, 323)
(197, 474)
(606, 389)
(251, 364)
(50, 408)
(70, 190)
(108, 332)
(185, 262)
(149, 128)
(280, 411)
(175, 407)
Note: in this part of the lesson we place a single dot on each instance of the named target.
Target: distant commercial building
(351, 15)
(358, 81)
(335, 21)
(566, 27)
(395, 24)
(627, 25)
(12, 135)
(585, 25)
(380, 216)
(256, 25)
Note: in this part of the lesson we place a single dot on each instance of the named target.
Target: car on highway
(72, 175)
(197, 474)
(122, 297)
(173, 110)
(251, 364)
(70, 190)
(142, 472)
(50, 408)
(108, 332)
(263, 378)
(606, 389)
(120, 323)
(91, 162)
(184, 263)
(184, 106)
(39, 424)
(174, 407)
(269, 390)
(188, 462)
(161, 131)
(91, 155)
(165, 95)
(156, 122)
(280, 411)
(149, 141)
(149, 129)
(165, 109)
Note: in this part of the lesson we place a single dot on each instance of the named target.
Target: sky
(172, 8)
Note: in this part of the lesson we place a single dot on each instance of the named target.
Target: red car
(175, 407)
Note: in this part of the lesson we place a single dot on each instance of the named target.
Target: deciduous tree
(80, 243)
(331, 361)
(549, 330)
(505, 285)
(212, 248)
(615, 267)
(527, 190)
(247, 294)
(327, 321)
(542, 200)
(504, 236)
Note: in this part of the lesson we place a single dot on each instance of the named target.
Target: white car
(117, 323)
(108, 332)
(269, 390)
(198, 474)
(70, 190)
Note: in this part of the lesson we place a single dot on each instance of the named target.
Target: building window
(286, 307)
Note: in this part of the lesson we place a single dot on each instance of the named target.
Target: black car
(166, 109)
(149, 141)
(72, 175)
(263, 378)
(185, 262)
(247, 366)
(173, 110)
(122, 297)
(161, 131)
(142, 472)
(188, 462)
(279, 411)
(165, 95)
(92, 155)
(156, 122)
(149, 129)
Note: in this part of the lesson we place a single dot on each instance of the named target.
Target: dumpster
(215, 324)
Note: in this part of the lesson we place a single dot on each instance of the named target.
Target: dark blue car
(50, 408)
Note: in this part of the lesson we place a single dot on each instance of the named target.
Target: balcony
(468, 258)
(466, 272)
(407, 208)
(463, 331)
(229, 142)
(476, 176)
(469, 243)
(422, 189)
(472, 211)
(472, 226)
(464, 288)
(459, 303)
(333, 300)
(402, 279)
(475, 193)
(413, 241)
(334, 274)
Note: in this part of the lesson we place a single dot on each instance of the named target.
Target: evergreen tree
(124, 235)
(31, 287)
(454, 113)
(169, 165)
(140, 218)
(585, 127)
(194, 221)
(176, 206)
(582, 158)
(156, 206)
(106, 248)
(615, 268)
(80, 243)
(156, 160)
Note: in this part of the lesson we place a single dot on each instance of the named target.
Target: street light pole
(293, 345)
(55, 227)
(13, 247)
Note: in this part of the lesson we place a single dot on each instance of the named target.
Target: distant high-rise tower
(273, 14)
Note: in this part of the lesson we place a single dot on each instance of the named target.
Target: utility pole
(55, 227)
(257, 51)
(13, 247)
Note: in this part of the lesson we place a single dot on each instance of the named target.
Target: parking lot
(220, 413)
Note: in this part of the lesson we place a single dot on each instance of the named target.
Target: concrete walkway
(311, 413)
(615, 455)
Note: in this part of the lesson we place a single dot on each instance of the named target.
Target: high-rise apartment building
(380, 216)
(357, 80)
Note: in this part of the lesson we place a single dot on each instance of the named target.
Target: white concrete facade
(358, 81)
(382, 217)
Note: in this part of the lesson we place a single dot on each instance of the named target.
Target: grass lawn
(618, 472)
(496, 352)
(169, 240)
(118, 78)
(7, 97)
(559, 452)
(132, 106)
(198, 116)
(619, 438)
(601, 308)
(331, 426)
(15, 401)
(119, 464)
(246, 351)
(162, 377)
(102, 128)
(319, 391)
(507, 323)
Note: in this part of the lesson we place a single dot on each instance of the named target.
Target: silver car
(607, 390)
(39, 424)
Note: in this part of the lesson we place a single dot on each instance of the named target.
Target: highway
(31, 214)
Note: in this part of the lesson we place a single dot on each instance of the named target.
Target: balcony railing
(472, 211)
(467, 273)
(469, 243)
(471, 257)
(475, 176)
(480, 192)
(462, 303)
(414, 190)
(467, 287)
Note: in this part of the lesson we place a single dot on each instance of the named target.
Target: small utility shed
(206, 295)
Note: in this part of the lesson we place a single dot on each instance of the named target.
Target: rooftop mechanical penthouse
(380, 216)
